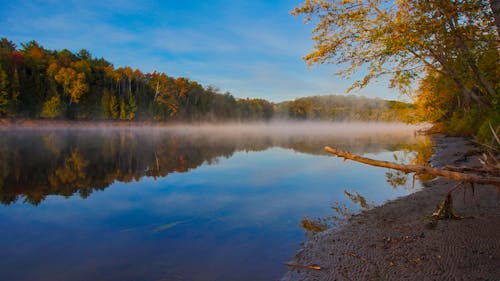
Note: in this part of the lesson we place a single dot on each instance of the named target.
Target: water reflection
(34, 164)
(417, 152)
(342, 212)
(184, 203)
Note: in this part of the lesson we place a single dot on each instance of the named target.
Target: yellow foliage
(73, 83)
(434, 97)
(72, 172)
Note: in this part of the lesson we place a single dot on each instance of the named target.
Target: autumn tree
(52, 108)
(402, 38)
(165, 95)
(436, 98)
(408, 40)
(73, 83)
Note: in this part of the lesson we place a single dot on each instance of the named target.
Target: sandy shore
(399, 240)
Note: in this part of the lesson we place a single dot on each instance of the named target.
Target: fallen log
(418, 169)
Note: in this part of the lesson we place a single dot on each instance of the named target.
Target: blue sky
(250, 48)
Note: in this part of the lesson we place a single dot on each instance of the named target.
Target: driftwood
(419, 169)
(314, 267)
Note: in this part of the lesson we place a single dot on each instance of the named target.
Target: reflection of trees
(357, 198)
(40, 163)
(36, 164)
(416, 153)
(396, 178)
(71, 174)
(342, 213)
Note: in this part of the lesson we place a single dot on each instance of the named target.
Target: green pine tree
(123, 109)
(4, 94)
(113, 107)
(132, 107)
(105, 102)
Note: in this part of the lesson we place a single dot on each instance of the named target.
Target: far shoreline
(36, 123)
(28, 122)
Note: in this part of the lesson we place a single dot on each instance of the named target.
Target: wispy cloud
(250, 48)
(184, 40)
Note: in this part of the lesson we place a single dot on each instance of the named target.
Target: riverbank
(399, 240)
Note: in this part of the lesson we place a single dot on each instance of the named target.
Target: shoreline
(33, 123)
(399, 241)
(37, 123)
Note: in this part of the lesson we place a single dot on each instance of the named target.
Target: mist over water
(275, 127)
(180, 202)
(275, 133)
(305, 128)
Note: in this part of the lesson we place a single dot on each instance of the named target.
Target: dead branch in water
(418, 169)
(445, 209)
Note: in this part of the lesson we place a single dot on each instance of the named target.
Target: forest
(37, 83)
(40, 83)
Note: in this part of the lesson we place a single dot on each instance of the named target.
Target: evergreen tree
(114, 107)
(4, 94)
(132, 107)
(123, 109)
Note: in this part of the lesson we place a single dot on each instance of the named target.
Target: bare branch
(418, 169)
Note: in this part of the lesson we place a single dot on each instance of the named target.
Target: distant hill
(345, 108)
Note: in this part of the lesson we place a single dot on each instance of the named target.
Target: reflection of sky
(221, 220)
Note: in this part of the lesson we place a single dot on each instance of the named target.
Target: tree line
(346, 108)
(40, 83)
(59, 84)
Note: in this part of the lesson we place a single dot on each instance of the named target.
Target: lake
(184, 202)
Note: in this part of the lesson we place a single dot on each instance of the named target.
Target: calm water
(182, 203)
